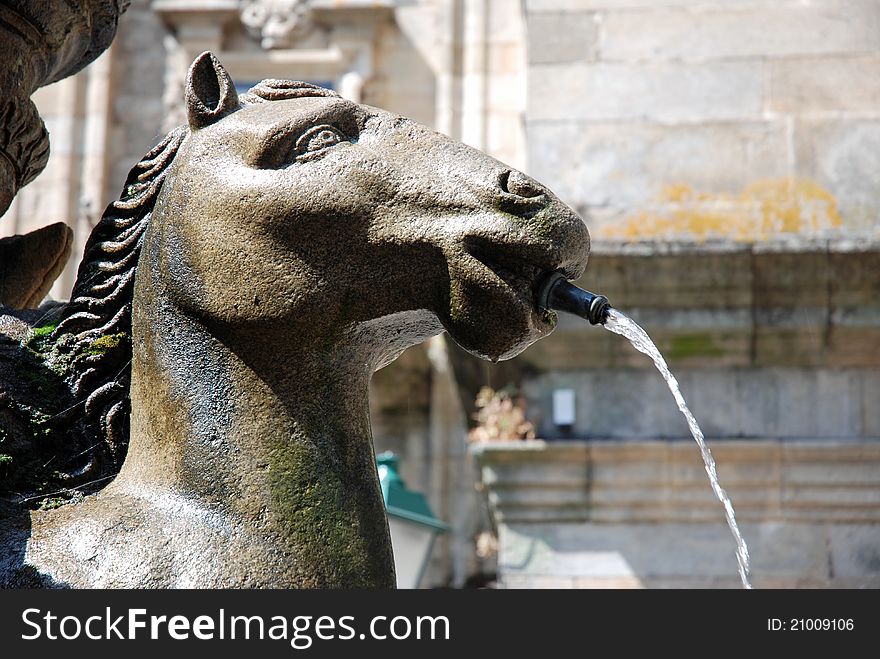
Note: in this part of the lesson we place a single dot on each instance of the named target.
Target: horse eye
(316, 140)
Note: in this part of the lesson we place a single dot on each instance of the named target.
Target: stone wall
(764, 343)
(596, 514)
(777, 355)
(693, 118)
(724, 155)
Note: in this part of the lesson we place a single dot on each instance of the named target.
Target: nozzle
(559, 294)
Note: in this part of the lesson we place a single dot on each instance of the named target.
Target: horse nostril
(503, 179)
(517, 183)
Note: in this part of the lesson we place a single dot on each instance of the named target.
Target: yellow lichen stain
(763, 210)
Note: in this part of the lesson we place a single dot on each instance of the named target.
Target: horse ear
(210, 93)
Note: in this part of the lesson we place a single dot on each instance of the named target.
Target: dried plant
(500, 416)
(486, 545)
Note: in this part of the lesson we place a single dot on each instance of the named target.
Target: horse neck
(275, 436)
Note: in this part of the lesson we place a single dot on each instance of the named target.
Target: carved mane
(94, 332)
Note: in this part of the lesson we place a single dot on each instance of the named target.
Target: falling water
(622, 324)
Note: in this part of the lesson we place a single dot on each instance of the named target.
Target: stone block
(789, 347)
(559, 37)
(786, 280)
(632, 167)
(61, 129)
(767, 31)
(853, 347)
(870, 408)
(637, 534)
(635, 403)
(656, 91)
(821, 404)
(855, 552)
(854, 335)
(824, 84)
(505, 98)
(787, 551)
(855, 279)
(703, 552)
(628, 403)
(843, 156)
(855, 318)
(507, 59)
(572, 349)
(588, 5)
(505, 137)
(50, 99)
(558, 5)
(535, 473)
(505, 21)
(672, 282)
(704, 347)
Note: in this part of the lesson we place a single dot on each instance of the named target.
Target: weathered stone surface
(539, 582)
(824, 84)
(852, 26)
(586, 5)
(638, 553)
(664, 91)
(626, 403)
(647, 518)
(701, 280)
(844, 157)
(653, 152)
(627, 166)
(30, 263)
(871, 411)
(854, 551)
(40, 42)
(250, 461)
(755, 336)
(555, 38)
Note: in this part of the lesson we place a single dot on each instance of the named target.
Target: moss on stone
(31, 431)
(685, 346)
(44, 330)
(106, 343)
(39, 339)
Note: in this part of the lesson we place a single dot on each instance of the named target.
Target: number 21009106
(810, 624)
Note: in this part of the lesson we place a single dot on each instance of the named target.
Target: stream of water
(620, 323)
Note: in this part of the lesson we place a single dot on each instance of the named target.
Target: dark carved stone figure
(41, 42)
(262, 263)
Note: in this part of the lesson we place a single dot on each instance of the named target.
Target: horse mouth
(518, 272)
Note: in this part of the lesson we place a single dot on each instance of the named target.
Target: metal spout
(558, 294)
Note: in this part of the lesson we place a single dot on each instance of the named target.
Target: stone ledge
(730, 306)
(664, 481)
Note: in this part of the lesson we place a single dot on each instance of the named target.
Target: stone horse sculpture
(262, 263)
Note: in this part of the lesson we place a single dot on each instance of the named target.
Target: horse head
(341, 214)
